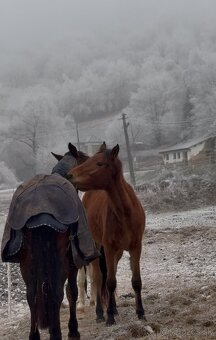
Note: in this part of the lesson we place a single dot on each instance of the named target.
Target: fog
(28, 24)
(63, 62)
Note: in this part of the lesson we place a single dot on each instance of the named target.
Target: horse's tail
(47, 273)
(103, 268)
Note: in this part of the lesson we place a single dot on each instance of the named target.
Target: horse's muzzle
(70, 177)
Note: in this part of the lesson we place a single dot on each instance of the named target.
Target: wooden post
(130, 159)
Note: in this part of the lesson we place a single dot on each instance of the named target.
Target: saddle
(47, 200)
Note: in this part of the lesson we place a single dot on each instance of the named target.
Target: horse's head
(99, 171)
(70, 159)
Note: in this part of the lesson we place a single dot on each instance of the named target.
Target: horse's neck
(119, 196)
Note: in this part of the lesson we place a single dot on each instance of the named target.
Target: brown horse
(116, 219)
(46, 262)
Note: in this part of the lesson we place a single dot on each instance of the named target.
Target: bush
(178, 190)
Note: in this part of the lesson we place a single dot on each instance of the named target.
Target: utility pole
(77, 133)
(130, 159)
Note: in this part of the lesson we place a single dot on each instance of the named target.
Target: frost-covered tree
(7, 177)
(103, 89)
(36, 127)
(157, 104)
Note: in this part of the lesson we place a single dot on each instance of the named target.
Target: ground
(179, 285)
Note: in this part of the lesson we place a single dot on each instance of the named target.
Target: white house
(91, 145)
(202, 150)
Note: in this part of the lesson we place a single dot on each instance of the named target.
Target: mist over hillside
(64, 62)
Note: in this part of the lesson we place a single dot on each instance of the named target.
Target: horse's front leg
(136, 279)
(111, 286)
(72, 294)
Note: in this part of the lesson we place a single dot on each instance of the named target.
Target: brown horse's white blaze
(116, 219)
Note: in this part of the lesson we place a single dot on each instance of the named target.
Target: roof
(91, 140)
(188, 144)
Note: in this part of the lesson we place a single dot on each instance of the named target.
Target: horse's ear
(115, 151)
(58, 157)
(102, 147)
(73, 150)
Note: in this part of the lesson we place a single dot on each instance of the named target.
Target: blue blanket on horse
(44, 200)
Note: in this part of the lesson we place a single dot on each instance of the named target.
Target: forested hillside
(157, 66)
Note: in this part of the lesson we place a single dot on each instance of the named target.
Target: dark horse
(116, 219)
(46, 262)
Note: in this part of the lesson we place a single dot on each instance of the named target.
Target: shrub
(178, 189)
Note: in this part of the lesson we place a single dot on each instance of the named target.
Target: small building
(202, 150)
(91, 145)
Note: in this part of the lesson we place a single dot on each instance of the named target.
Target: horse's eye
(100, 163)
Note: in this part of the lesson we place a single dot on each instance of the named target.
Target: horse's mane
(83, 154)
(80, 153)
(118, 164)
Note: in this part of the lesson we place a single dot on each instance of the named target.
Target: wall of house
(178, 156)
(194, 150)
(92, 149)
(174, 157)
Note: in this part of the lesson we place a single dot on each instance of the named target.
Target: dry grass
(179, 299)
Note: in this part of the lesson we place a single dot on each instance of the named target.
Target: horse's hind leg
(34, 332)
(72, 294)
(97, 279)
(55, 329)
(30, 295)
(81, 279)
(136, 279)
(89, 272)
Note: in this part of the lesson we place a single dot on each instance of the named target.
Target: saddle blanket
(43, 194)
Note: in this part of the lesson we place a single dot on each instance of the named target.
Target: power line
(177, 122)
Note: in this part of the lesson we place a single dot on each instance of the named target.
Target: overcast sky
(27, 23)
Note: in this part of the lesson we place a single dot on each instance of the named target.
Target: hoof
(110, 322)
(35, 335)
(100, 319)
(74, 336)
(81, 309)
(80, 306)
(116, 311)
(141, 317)
(64, 305)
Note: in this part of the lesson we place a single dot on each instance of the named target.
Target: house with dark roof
(193, 151)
